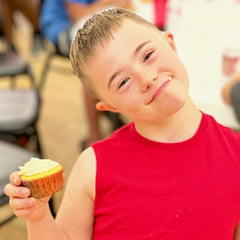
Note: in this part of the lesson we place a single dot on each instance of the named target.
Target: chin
(175, 105)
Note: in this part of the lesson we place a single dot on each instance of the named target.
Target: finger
(15, 179)
(23, 212)
(20, 203)
(14, 191)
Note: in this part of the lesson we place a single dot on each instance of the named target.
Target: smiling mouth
(160, 90)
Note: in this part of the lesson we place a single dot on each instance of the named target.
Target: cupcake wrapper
(45, 186)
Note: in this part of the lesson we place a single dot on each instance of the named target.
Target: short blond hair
(95, 31)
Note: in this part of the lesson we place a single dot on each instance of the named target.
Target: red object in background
(160, 13)
(230, 62)
(229, 65)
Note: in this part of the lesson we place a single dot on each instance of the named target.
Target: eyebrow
(135, 52)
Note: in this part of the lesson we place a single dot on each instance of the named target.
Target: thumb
(15, 179)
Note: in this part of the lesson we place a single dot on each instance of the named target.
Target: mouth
(160, 89)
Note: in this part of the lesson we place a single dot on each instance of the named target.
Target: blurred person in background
(31, 10)
(231, 94)
(58, 22)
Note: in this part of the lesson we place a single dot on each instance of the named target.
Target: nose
(146, 81)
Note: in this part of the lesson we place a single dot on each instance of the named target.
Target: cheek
(127, 104)
(184, 77)
(180, 71)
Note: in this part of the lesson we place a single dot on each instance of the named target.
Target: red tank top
(172, 191)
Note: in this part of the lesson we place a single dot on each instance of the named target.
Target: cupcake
(43, 177)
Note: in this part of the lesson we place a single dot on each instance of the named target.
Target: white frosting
(36, 165)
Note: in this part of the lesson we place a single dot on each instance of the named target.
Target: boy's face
(138, 73)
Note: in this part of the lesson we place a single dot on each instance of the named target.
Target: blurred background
(208, 41)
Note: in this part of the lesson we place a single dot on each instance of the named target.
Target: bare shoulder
(76, 214)
(83, 174)
(84, 171)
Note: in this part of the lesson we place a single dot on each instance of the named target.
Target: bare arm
(75, 217)
(76, 214)
(76, 10)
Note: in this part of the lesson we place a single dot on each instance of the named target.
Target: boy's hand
(21, 203)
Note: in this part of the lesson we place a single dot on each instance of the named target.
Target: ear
(102, 106)
(170, 39)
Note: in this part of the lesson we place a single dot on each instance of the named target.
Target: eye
(123, 82)
(147, 56)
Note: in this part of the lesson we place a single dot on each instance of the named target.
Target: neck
(178, 127)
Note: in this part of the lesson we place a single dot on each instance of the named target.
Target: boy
(170, 174)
